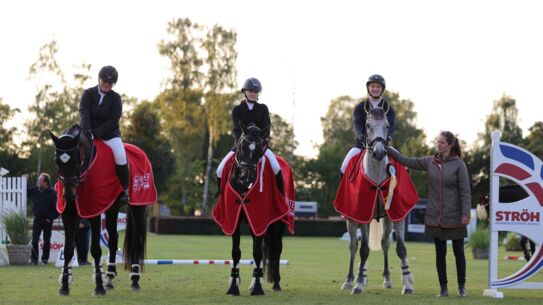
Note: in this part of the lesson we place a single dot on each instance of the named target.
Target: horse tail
(376, 234)
(272, 248)
(135, 238)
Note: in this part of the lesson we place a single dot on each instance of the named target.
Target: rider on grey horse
(250, 112)
(376, 87)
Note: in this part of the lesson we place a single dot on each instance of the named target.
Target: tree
(503, 118)
(49, 78)
(220, 79)
(9, 157)
(145, 131)
(534, 140)
(202, 63)
(282, 140)
(6, 134)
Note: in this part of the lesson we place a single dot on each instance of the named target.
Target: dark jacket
(44, 202)
(102, 120)
(359, 123)
(449, 194)
(259, 116)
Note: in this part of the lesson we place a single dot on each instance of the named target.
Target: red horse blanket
(357, 198)
(263, 204)
(100, 185)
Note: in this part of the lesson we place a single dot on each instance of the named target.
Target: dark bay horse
(73, 157)
(267, 248)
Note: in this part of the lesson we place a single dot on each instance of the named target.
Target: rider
(375, 86)
(100, 109)
(250, 112)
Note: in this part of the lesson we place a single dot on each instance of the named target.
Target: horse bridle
(75, 179)
(242, 163)
(371, 143)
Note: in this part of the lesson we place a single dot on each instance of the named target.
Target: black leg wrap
(234, 282)
(135, 277)
(257, 288)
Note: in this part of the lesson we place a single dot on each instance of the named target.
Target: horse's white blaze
(64, 158)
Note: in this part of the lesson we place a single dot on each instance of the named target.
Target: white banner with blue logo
(524, 217)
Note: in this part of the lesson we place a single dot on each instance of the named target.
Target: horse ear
(53, 137)
(385, 106)
(367, 106)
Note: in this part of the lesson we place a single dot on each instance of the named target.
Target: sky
(451, 58)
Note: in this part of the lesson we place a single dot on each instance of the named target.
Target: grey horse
(374, 164)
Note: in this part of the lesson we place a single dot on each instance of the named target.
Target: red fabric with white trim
(357, 199)
(263, 204)
(101, 186)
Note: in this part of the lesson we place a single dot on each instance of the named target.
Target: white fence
(12, 196)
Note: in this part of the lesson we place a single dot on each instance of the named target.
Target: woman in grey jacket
(449, 203)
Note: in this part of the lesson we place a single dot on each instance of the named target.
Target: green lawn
(317, 269)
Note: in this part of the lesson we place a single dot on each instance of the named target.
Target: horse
(74, 156)
(244, 174)
(375, 164)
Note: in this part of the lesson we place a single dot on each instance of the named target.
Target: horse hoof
(347, 286)
(408, 291)
(257, 289)
(276, 287)
(135, 287)
(387, 285)
(99, 291)
(357, 291)
(109, 285)
(233, 290)
(64, 291)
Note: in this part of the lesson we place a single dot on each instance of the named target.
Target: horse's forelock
(376, 113)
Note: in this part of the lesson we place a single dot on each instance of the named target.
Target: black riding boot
(123, 172)
(279, 181)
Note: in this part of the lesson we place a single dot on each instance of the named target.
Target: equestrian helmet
(252, 84)
(376, 78)
(109, 74)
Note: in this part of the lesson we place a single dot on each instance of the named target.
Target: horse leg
(361, 279)
(66, 278)
(134, 244)
(273, 247)
(401, 250)
(353, 247)
(235, 281)
(111, 227)
(385, 245)
(96, 252)
(258, 275)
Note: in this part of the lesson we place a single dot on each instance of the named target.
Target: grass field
(317, 269)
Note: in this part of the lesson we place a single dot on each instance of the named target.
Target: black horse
(73, 156)
(249, 149)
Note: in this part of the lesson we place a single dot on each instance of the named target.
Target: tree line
(186, 129)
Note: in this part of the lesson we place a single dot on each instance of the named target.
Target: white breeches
(117, 146)
(353, 152)
(271, 157)
(220, 168)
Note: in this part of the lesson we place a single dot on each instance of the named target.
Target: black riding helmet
(109, 74)
(376, 78)
(252, 84)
